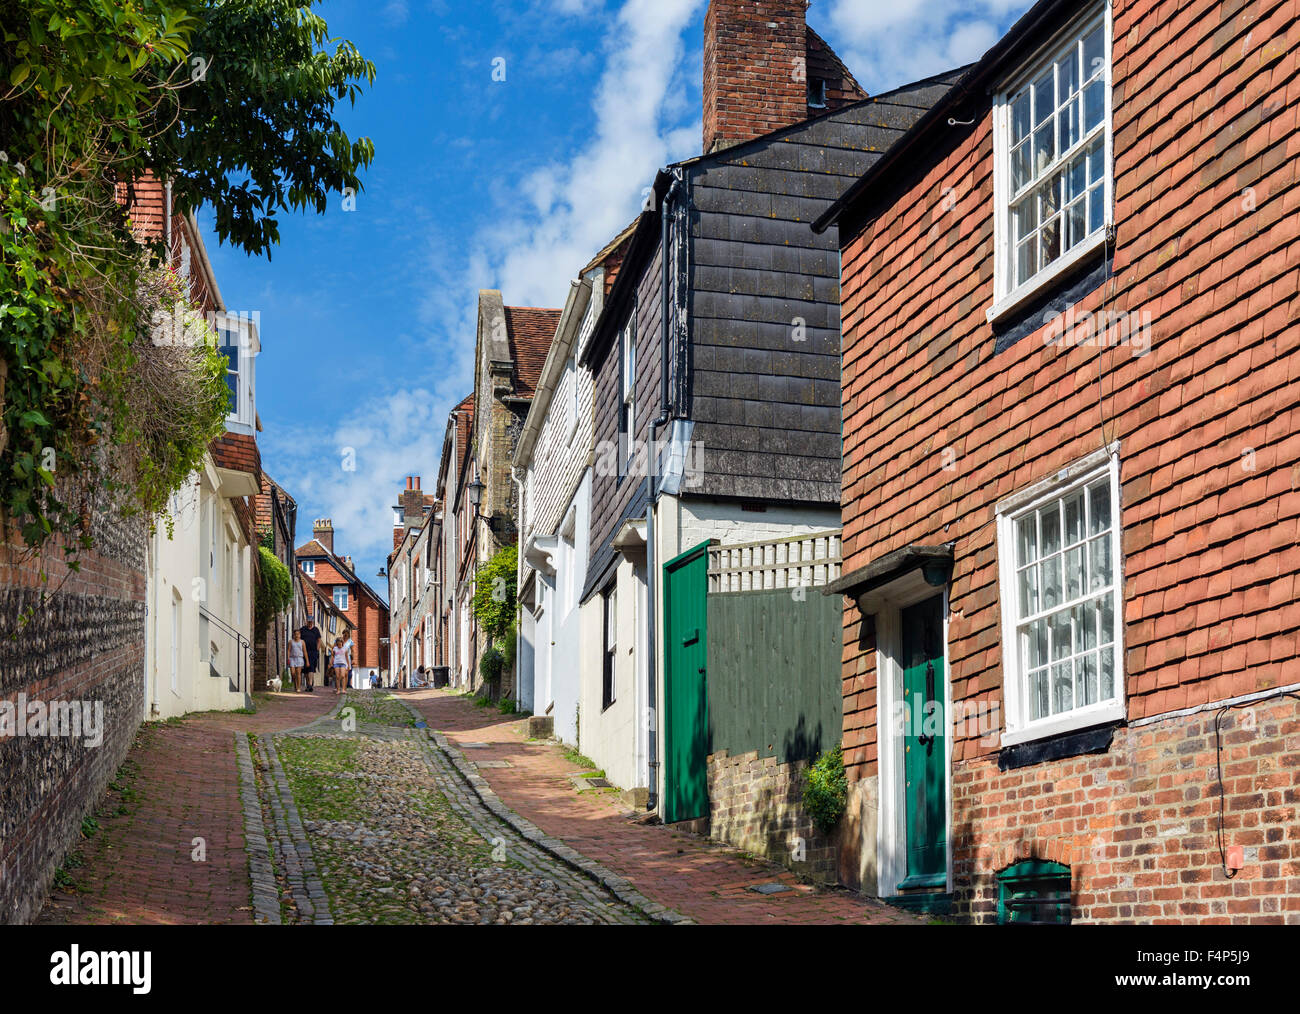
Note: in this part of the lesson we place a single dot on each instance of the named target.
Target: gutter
(1044, 14)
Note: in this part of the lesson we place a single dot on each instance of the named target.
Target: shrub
(492, 664)
(826, 790)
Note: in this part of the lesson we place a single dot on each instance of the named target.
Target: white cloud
(396, 12)
(546, 226)
(560, 215)
(886, 45)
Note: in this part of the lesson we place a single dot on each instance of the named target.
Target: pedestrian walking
(340, 665)
(297, 659)
(311, 637)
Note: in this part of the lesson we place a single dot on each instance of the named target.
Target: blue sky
(367, 316)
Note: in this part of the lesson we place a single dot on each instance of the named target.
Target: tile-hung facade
(1071, 389)
(716, 360)
(554, 458)
(511, 348)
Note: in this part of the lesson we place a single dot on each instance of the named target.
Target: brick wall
(86, 642)
(1138, 824)
(756, 804)
(1206, 100)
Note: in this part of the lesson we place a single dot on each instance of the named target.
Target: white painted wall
(611, 736)
(180, 580)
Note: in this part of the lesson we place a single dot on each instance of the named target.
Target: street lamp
(475, 491)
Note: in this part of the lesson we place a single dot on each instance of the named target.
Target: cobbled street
(374, 809)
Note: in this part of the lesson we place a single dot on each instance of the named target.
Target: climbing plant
(232, 103)
(494, 593)
(274, 591)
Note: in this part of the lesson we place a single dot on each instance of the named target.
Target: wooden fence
(800, 561)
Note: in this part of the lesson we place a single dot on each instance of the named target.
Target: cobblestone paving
(688, 876)
(399, 837)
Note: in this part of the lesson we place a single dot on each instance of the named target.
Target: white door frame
(887, 604)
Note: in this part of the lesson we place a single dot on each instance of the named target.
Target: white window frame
(1018, 728)
(627, 340)
(1008, 297)
(243, 328)
(343, 608)
(309, 567)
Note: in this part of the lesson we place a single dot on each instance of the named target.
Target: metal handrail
(243, 651)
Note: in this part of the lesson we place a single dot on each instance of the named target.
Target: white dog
(275, 683)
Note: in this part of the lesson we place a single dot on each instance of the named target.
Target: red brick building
(1071, 401)
(352, 597)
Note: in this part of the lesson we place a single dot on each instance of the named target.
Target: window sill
(1045, 280)
(1072, 722)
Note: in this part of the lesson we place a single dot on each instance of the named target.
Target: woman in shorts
(297, 659)
(340, 661)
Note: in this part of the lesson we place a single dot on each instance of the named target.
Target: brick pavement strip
(701, 880)
(139, 868)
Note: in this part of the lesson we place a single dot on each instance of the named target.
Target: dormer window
(238, 341)
(309, 567)
(1052, 163)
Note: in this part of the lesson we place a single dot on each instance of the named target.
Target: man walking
(311, 637)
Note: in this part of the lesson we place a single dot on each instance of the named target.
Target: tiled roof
(238, 452)
(530, 331)
(612, 246)
(326, 600)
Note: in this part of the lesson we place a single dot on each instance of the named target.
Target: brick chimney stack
(412, 503)
(755, 69)
(322, 531)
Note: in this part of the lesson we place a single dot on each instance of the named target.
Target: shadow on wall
(756, 803)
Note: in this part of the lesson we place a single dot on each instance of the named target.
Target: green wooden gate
(686, 709)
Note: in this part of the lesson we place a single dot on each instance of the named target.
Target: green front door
(924, 732)
(686, 702)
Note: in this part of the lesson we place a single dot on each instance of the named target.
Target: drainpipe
(652, 744)
(519, 570)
